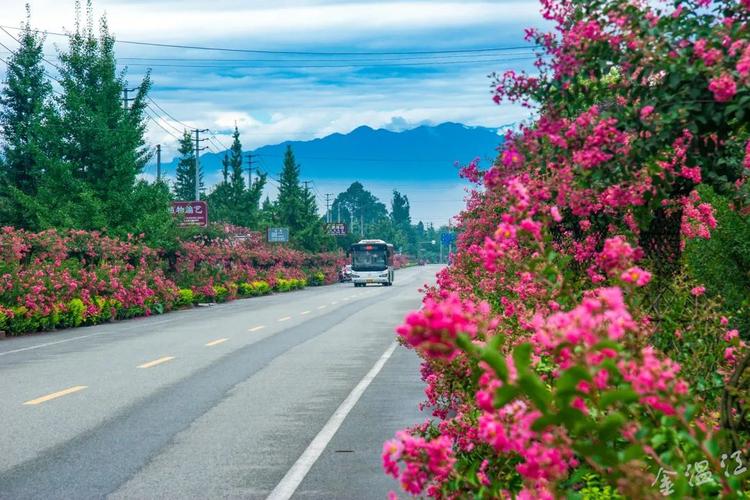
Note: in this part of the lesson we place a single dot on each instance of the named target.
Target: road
(292, 394)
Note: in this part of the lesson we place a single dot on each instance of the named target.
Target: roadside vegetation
(86, 239)
(59, 279)
(589, 339)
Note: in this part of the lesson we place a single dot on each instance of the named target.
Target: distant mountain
(424, 154)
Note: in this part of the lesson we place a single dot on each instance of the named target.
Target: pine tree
(290, 202)
(225, 168)
(25, 113)
(184, 188)
(235, 163)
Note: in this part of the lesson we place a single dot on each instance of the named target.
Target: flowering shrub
(565, 348)
(65, 279)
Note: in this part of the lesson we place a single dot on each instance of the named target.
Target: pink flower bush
(723, 87)
(59, 279)
(572, 244)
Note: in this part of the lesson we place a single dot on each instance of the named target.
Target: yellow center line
(322, 307)
(216, 342)
(56, 395)
(304, 312)
(285, 318)
(256, 328)
(156, 362)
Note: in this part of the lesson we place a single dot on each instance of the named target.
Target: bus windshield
(369, 260)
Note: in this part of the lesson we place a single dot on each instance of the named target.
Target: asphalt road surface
(284, 396)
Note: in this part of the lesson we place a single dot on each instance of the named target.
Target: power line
(295, 52)
(324, 66)
(167, 112)
(19, 43)
(177, 129)
(149, 117)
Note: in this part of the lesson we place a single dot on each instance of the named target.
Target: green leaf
(610, 427)
(623, 396)
(568, 381)
(633, 452)
(505, 395)
(545, 421)
(522, 357)
(464, 342)
(496, 361)
(533, 387)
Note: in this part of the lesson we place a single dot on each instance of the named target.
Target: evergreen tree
(102, 135)
(184, 188)
(231, 201)
(235, 164)
(296, 208)
(290, 204)
(25, 113)
(225, 168)
(255, 214)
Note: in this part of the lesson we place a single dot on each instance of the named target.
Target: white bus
(372, 262)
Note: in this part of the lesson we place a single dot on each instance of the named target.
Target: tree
(231, 201)
(102, 135)
(400, 210)
(235, 163)
(290, 201)
(25, 113)
(297, 209)
(185, 182)
(359, 208)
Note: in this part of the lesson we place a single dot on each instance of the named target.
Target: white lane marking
(256, 328)
(304, 313)
(291, 481)
(322, 307)
(285, 318)
(39, 346)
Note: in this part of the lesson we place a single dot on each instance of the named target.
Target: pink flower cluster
(427, 463)
(434, 329)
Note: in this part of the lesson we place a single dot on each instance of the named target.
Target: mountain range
(422, 154)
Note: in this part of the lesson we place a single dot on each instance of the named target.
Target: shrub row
(60, 279)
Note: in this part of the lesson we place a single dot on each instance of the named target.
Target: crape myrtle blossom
(637, 109)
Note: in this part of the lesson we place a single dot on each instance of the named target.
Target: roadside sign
(447, 238)
(191, 213)
(336, 229)
(278, 234)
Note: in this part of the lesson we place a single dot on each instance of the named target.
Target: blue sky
(298, 101)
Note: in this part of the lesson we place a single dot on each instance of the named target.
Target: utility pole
(328, 207)
(158, 162)
(197, 162)
(125, 99)
(249, 169)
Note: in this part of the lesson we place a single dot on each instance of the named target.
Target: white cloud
(291, 22)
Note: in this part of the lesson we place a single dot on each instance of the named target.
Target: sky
(379, 80)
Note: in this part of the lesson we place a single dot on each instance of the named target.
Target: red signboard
(191, 213)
